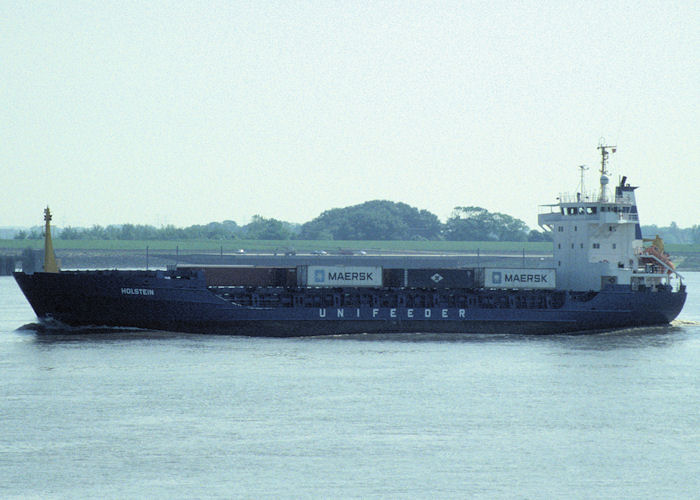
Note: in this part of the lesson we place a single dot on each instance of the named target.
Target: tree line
(673, 233)
(372, 220)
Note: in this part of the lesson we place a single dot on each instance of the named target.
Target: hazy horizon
(186, 113)
(40, 223)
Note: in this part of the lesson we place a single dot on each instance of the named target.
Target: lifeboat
(652, 255)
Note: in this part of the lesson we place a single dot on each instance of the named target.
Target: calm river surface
(128, 414)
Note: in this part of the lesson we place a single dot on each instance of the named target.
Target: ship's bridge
(621, 210)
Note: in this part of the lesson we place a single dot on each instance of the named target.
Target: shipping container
(394, 278)
(246, 275)
(369, 276)
(520, 278)
(440, 278)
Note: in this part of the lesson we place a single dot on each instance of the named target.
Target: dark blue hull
(163, 301)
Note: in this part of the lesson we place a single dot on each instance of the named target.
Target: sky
(191, 112)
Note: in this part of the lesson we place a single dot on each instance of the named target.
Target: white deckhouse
(598, 240)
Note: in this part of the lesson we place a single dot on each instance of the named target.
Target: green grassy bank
(306, 245)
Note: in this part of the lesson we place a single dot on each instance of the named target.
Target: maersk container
(520, 278)
(339, 276)
(440, 278)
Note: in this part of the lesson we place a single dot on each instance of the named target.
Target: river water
(130, 414)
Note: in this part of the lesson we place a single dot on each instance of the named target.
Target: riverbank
(110, 254)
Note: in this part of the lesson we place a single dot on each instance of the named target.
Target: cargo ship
(603, 275)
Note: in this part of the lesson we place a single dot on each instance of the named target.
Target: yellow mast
(50, 264)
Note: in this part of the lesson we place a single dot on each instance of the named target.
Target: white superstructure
(598, 239)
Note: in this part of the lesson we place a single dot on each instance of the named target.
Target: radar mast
(604, 179)
(581, 194)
